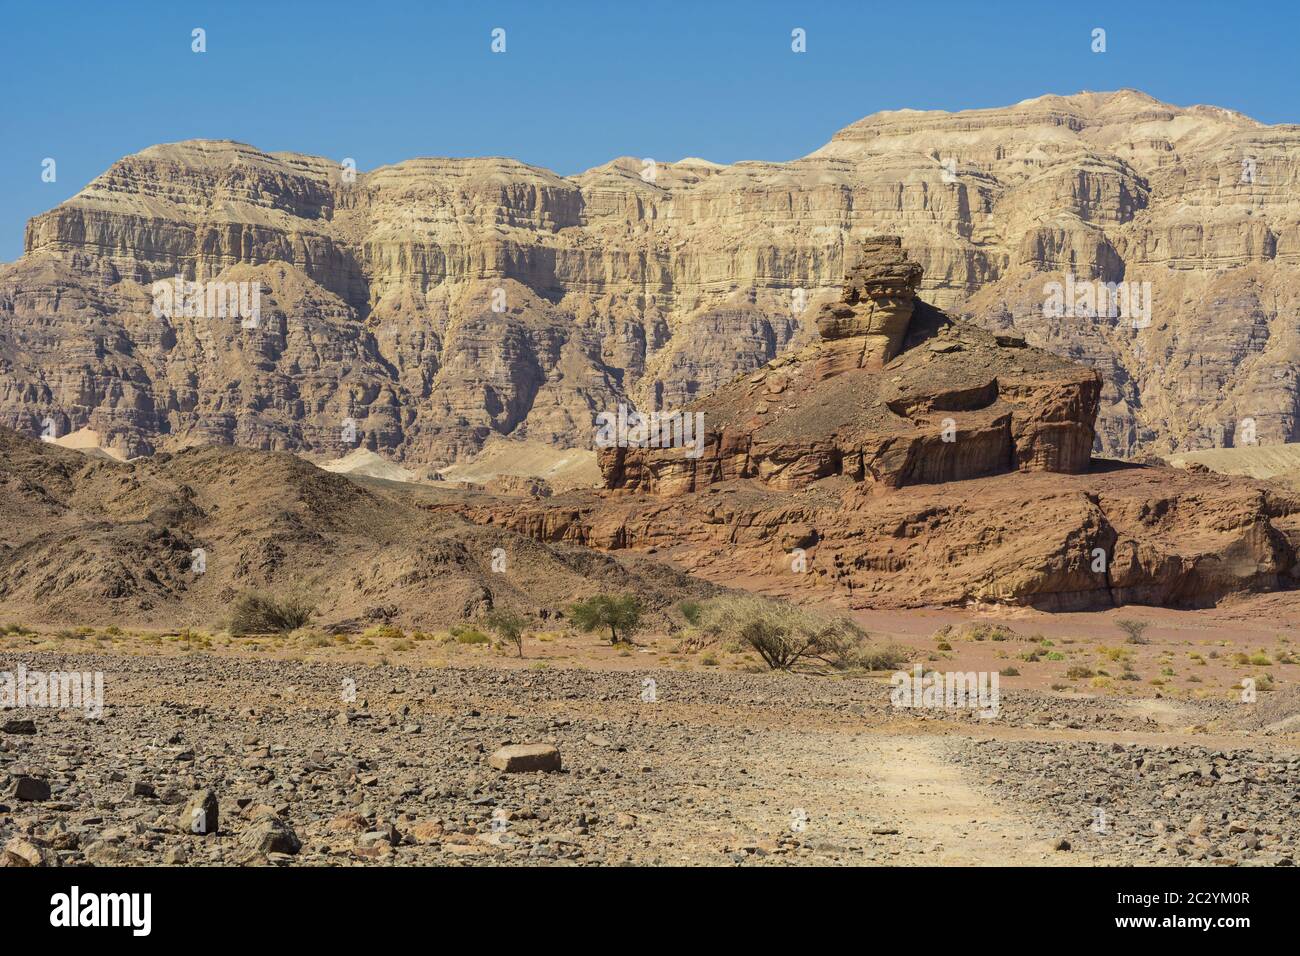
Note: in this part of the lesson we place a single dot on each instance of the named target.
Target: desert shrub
(695, 639)
(1009, 672)
(785, 636)
(708, 660)
(1134, 629)
(620, 613)
(256, 612)
(691, 611)
(464, 634)
(1078, 672)
(385, 632)
(508, 627)
(1259, 659)
(887, 658)
(981, 631)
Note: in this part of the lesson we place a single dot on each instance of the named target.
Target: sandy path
(945, 819)
(886, 798)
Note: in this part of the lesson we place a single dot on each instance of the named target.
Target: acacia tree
(1133, 629)
(508, 627)
(621, 614)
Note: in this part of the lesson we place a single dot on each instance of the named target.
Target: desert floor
(375, 751)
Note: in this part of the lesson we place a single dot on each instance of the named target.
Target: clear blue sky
(580, 83)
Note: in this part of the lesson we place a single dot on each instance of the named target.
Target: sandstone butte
(906, 458)
(439, 303)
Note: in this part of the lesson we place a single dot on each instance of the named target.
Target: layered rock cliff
(437, 302)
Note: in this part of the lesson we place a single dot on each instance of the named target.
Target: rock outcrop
(909, 459)
(439, 302)
(1118, 534)
(895, 393)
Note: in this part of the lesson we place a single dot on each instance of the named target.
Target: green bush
(464, 634)
(691, 611)
(508, 627)
(621, 614)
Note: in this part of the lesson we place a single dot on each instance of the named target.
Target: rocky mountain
(173, 539)
(907, 459)
(418, 309)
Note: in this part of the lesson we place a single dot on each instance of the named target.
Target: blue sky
(579, 83)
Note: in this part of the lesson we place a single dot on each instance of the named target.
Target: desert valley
(946, 508)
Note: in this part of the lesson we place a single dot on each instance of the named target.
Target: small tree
(621, 614)
(508, 627)
(1133, 629)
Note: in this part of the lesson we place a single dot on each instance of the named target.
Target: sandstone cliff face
(437, 302)
(893, 393)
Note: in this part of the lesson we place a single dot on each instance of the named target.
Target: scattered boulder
(29, 788)
(270, 834)
(202, 814)
(526, 758)
(23, 851)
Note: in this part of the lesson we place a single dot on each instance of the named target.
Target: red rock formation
(896, 393)
(908, 460)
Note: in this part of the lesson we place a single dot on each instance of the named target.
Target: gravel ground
(309, 763)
